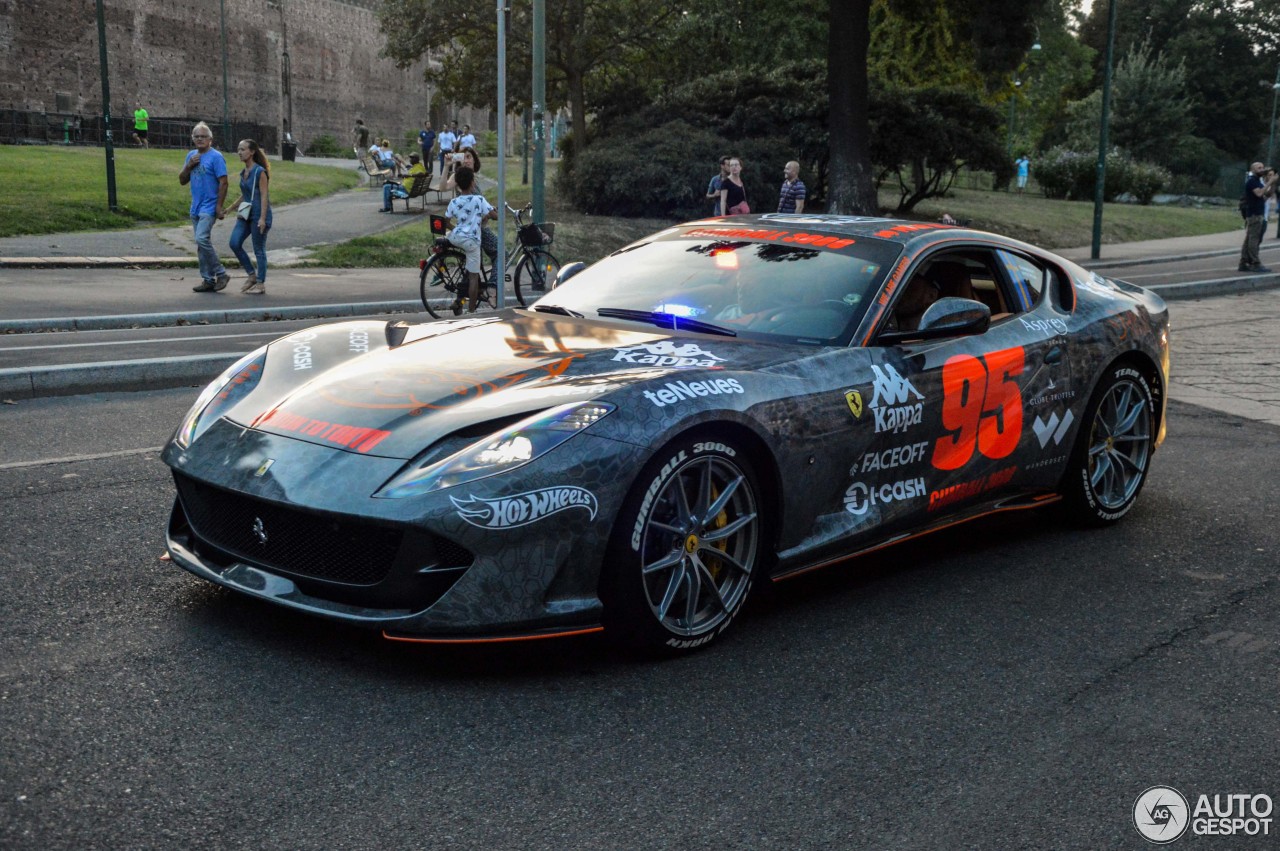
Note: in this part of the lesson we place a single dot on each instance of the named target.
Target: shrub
(1063, 173)
(326, 145)
(645, 174)
(1146, 180)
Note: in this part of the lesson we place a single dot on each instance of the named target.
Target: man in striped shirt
(791, 198)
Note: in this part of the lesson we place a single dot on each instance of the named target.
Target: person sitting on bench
(391, 189)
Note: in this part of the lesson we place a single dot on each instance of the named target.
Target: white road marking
(73, 459)
(138, 342)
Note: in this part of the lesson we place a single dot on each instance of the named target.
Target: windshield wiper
(555, 308)
(666, 320)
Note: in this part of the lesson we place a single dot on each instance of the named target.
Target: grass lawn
(48, 189)
(1067, 224)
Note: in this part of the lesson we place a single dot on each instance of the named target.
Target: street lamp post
(1100, 182)
(1271, 142)
(1013, 102)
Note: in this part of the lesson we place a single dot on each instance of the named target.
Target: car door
(950, 413)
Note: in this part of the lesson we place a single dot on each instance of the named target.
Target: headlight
(239, 378)
(506, 450)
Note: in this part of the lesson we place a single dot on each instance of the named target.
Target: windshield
(766, 288)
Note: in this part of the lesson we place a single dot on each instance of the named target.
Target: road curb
(1095, 265)
(1217, 287)
(206, 317)
(111, 376)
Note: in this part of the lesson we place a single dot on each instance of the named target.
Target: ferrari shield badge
(854, 398)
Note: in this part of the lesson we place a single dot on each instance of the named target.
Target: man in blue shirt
(205, 171)
(1254, 206)
(426, 141)
(1023, 164)
(447, 140)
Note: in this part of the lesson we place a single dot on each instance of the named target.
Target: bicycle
(443, 280)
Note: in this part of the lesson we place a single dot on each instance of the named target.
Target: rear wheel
(442, 278)
(1112, 454)
(685, 548)
(534, 274)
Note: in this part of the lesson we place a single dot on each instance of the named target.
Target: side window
(1026, 280)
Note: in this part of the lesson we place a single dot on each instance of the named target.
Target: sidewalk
(79, 282)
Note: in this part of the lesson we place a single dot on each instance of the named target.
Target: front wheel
(534, 274)
(685, 547)
(1112, 453)
(443, 277)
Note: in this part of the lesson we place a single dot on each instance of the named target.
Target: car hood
(394, 389)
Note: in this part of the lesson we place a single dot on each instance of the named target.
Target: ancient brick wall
(168, 55)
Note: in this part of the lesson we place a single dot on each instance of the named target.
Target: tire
(534, 274)
(672, 581)
(441, 280)
(1112, 453)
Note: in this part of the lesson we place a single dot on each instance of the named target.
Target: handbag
(246, 207)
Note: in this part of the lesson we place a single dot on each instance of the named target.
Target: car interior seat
(953, 279)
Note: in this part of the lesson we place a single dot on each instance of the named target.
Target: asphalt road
(1008, 684)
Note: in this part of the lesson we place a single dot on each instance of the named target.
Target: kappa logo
(1052, 429)
(521, 509)
(667, 353)
(892, 403)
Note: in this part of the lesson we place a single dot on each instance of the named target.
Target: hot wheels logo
(523, 508)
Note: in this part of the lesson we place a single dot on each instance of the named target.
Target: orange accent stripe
(1039, 501)
(497, 639)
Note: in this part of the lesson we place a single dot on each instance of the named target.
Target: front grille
(298, 542)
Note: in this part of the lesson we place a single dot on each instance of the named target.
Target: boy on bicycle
(470, 209)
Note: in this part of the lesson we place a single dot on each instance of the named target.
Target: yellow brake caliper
(722, 520)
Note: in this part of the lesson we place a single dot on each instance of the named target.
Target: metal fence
(18, 127)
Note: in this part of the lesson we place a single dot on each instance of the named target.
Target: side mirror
(955, 316)
(567, 272)
(946, 317)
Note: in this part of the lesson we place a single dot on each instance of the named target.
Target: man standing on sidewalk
(206, 172)
(1255, 222)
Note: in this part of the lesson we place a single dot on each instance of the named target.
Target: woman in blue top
(254, 179)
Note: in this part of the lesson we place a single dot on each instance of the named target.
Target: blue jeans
(392, 190)
(244, 230)
(210, 265)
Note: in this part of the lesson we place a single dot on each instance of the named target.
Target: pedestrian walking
(1253, 206)
(791, 197)
(253, 215)
(467, 139)
(733, 194)
(1023, 164)
(205, 171)
(140, 125)
(426, 141)
(713, 187)
(360, 141)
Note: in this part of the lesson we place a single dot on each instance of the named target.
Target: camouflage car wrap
(285, 465)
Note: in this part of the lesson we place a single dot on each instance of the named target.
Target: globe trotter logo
(1161, 815)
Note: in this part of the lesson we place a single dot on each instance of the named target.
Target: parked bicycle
(529, 266)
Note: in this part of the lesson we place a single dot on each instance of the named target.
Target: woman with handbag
(733, 194)
(253, 215)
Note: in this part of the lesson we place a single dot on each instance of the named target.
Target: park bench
(420, 188)
(375, 171)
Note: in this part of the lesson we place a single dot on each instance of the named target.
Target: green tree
(587, 40)
(998, 31)
(924, 136)
(1226, 42)
(1150, 113)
